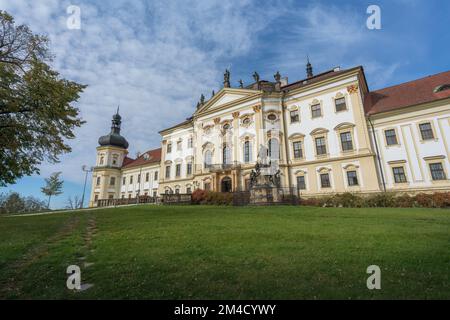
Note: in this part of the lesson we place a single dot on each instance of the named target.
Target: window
(131, 179)
(188, 190)
(352, 178)
(298, 151)
(96, 197)
(112, 181)
(301, 183)
(177, 191)
(294, 116)
(139, 178)
(399, 174)
(98, 181)
(102, 160)
(115, 160)
(155, 194)
(147, 176)
(247, 151)
(316, 111)
(321, 148)
(226, 155)
(437, 171)
(179, 144)
(169, 147)
(346, 141)
(178, 170)
(208, 158)
(325, 180)
(189, 169)
(274, 149)
(124, 180)
(167, 172)
(246, 121)
(111, 196)
(207, 186)
(426, 131)
(190, 142)
(156, 176)
(391, 137)
(272, 117)
(340, 104)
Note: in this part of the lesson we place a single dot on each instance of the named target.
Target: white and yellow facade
(321, 133)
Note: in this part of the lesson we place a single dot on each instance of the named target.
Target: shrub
(348, 200)
(404, 201)
(441, 200)
(312, 202)
(381, 200)
(219, 198)
(198, 196)
(424, 200)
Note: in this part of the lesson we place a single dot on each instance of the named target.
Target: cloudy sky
(155, 58)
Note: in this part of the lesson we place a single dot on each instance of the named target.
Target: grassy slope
(228, 253)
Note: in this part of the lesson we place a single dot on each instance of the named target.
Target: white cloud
(153, 58)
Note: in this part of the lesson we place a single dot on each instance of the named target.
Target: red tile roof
(154, 156)
(407, 94)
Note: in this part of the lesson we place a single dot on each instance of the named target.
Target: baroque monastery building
(327, 134)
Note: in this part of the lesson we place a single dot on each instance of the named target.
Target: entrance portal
(226, 184)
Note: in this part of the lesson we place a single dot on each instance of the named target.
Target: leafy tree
(53, 186)
(36, 111)
(14, 203)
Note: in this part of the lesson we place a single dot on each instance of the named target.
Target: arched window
(208, 158)
(226, 155)
(247, 152)
(274, 149)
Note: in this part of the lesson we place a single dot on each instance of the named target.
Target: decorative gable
(227, 97)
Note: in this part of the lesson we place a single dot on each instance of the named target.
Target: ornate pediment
(227, 97)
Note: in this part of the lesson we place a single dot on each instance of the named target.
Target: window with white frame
(437, 171)
(391, 137)
(247, 151)
(208, 158)
(352, 178)
(295, 117)
(316, 111)
(298, 150)
(325, 180)
(301, 183)
(399, 174)
(340, 104)
(426, 131)
(321, 146)
(346, 141)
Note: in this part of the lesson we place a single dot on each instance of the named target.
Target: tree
(14, 203)
(73, 203)
(53, 186)
(36, 112)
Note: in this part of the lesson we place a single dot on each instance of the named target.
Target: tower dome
(114, 138)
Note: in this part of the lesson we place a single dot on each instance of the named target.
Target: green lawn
(203, 252)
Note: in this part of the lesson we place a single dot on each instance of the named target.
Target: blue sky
(155, 58)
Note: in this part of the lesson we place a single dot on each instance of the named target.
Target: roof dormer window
(442, 87)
